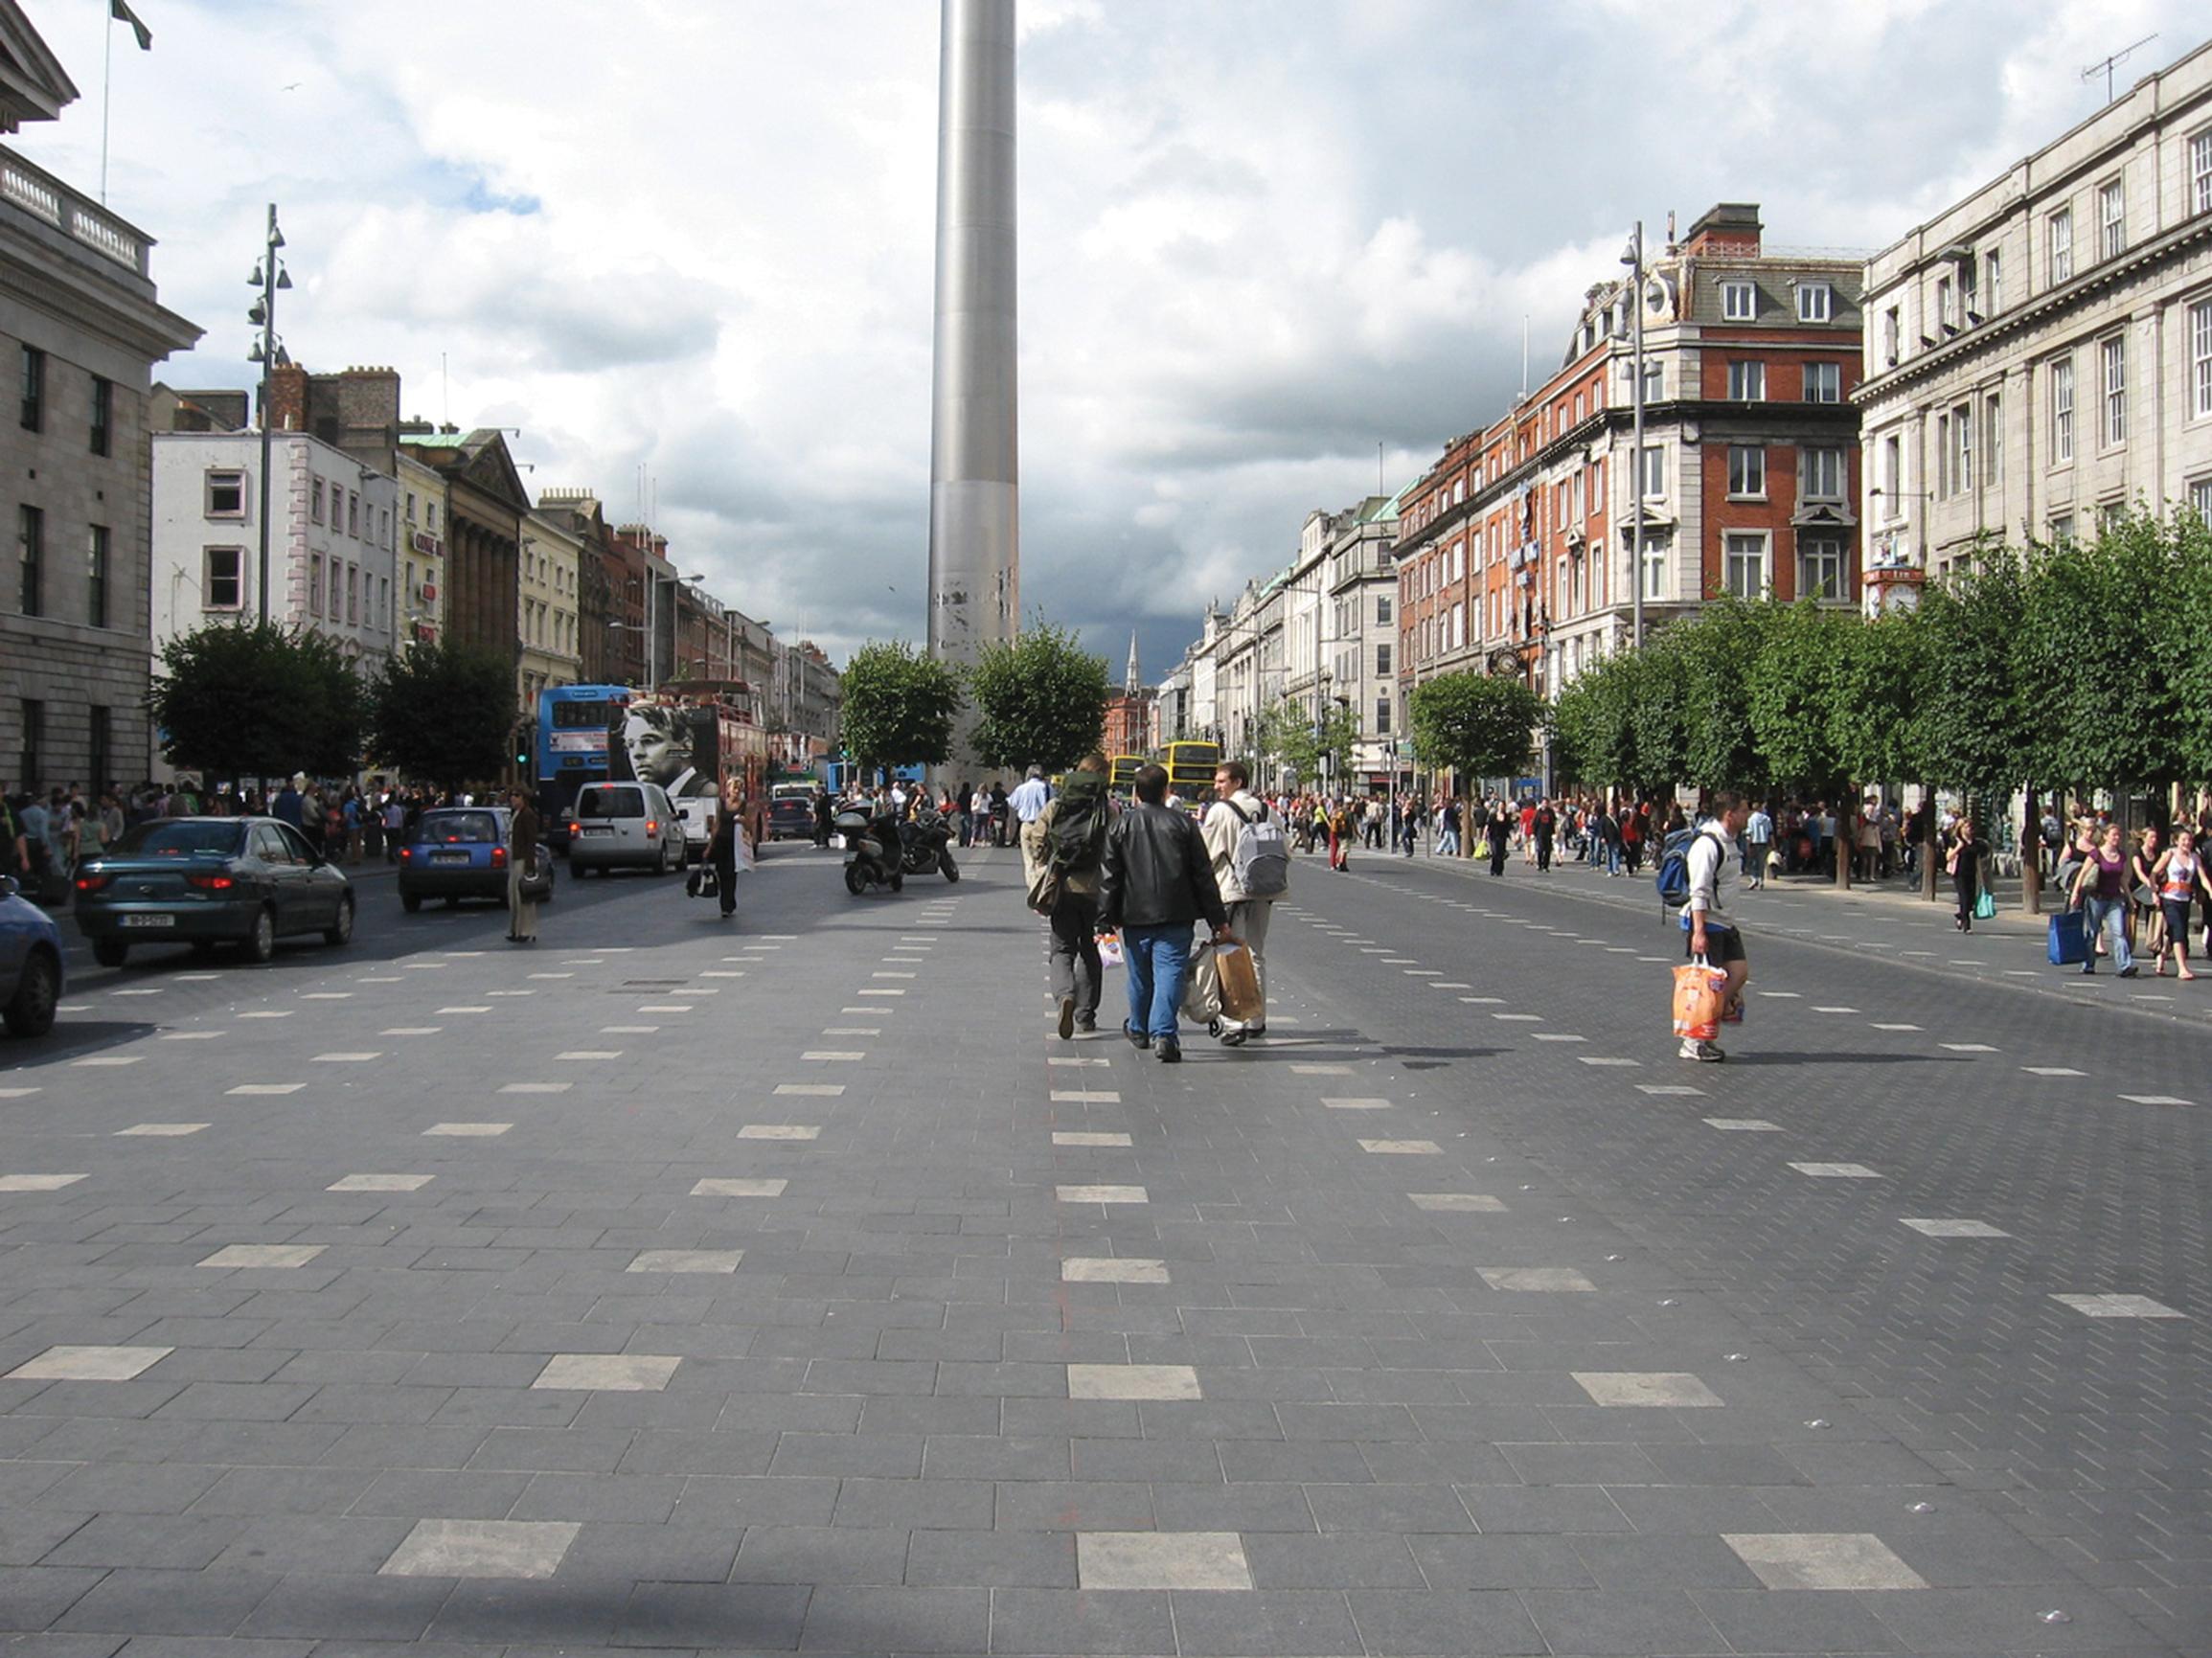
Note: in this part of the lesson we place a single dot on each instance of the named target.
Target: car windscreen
(604, 803)
(182, 838)
(470, 827)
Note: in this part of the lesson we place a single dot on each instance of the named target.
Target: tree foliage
(253, 701)
(1477, 725)
(899, 704)
(1038, 701)
(1307, 746)
(443, 713)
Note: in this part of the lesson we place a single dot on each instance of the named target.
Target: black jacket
(1157, 872)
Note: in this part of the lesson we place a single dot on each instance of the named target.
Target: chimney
(287, 410)
(1727, 230)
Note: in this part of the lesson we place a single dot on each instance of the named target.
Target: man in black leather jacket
(1156, 882)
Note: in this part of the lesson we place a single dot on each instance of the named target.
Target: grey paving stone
(180, 1542)
(756, 1500)
(1339, 1561)
(1633, 1623)
(168, 1603)
(996, 1559)
(1544, 1509)
(1056, 1622)
(1262, 1624)
(1444, 1621)
(1759, 1621)
(841, 1618)
(1388, 1509)
(761, 1616)
(816, 1554)
(315, 1543)
(1073, 1506)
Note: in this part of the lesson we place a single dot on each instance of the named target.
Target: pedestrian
(1156, 880)
(1341, 829)
(2102, 888)
(1759, 846)
(1543, 827)
(1071, 837)
(729, 843)
(1241, 862)
(522, 830)
(1028, 800)
(1964, 860)
(1499, 826)
(395, 825)
(2178, 875)
(1448, 841)
(2143, 904)
(1715, 874)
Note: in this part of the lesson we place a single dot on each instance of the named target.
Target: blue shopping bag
(2069, 939)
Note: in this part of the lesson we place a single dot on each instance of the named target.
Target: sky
(1274, 253)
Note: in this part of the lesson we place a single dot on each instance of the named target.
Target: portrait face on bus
(658, 745)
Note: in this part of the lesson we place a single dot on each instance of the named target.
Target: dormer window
(1815, 302)
(1739, 302)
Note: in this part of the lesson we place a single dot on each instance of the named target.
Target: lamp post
(1634, 259)
(269, 275)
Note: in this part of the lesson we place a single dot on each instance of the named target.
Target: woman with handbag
(1964, 862)
(723, 851)
(523, 871)
(2143, 898)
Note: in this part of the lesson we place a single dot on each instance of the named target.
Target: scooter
(926, 845)
(869, 859)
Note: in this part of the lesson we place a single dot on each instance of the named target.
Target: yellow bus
(1191, 766)
(1122, 772)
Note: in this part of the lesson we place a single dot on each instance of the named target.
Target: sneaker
(1168, 1052)
(1066, 1017)
(1705, 1053)
(1085, 1022)
(2090, 972)
(1235, 1038)
(1137, 1038)
(2126, 972)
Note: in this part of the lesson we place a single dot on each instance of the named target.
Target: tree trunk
(2032, 857)
(1846, 843)
(1930, 842)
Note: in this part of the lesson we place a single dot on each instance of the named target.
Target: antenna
(1524, 357)
(1379, 489)
(2103, 66)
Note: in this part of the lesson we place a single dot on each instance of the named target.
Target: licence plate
(449, 857)
(149, 920)
(599, 829)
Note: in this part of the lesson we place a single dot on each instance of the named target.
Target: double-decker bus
(690, 736)
(572, 726)
(1122, 774)
(1190, 767)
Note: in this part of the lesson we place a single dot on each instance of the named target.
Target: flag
(119, 12)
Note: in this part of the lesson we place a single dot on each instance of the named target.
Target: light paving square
(1955, 1227)
(1356, 1105)
(1075, 1137)
(1112, 1269)
(1667, 1390)
(38, 1182)
(1838, 1171)
(1457, 1202)
(2118, 1306)
(686, 1261)
(780, 1130)
(1101, 1194)
(612, 1372)
(469, 1130)
(264, 1255)
(482, 1548)
(1161, 1560)
(380, 1183)
(1402, 1148)
(89, 1363)
(161, 1130)
(1133, 1381)
(1822, 1560)
(1542, 1278)
(717, 1187)
(250, 1088)
(1742, 1125)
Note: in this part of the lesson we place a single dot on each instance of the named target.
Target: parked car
(208, 881)
(624, 826)
(790, 817)
(459, 853)
(32, 974)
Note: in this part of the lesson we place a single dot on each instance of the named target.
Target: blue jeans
(2109, 917)
(1157, 958)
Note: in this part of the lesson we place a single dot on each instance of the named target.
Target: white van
(624, 826)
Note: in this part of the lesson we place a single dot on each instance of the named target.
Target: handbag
(1698, 989)
(1240, 983)
(1202, 986)
(1985, 905)
(2069, 939)
(705, 882)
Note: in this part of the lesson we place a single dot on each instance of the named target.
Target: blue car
(458, 853)
(32, 976)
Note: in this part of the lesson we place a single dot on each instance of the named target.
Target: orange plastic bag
(1240, 983)
(1699, 987)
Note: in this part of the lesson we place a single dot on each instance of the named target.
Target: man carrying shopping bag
(1157, 881)
(1716, 877)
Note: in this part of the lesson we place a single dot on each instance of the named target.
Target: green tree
(1971, 728)
(255, 701)
(443, 713)
(1792, 689)
(1312, 749)
(1477, 725)
(1715, 654)
(899, 704)
(1040, 700)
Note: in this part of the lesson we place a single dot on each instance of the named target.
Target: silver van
(624, 826)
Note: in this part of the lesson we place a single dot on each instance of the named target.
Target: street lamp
(269, 275)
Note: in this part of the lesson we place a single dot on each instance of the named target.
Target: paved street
(784, 1284)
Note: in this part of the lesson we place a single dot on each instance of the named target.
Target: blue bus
(572, 721)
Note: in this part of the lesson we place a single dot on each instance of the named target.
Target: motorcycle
(926, 845)
(869, 857)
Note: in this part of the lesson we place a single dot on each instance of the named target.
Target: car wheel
(109, 952)
(411, 902)
(37, 993)
(262, 943)
(660, 859)
(856, 882)
(341, 930)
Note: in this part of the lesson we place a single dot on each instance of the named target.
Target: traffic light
(523, 734)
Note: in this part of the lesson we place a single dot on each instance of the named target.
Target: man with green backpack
(1061, 849)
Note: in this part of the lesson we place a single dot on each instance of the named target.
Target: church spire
(1131, 684)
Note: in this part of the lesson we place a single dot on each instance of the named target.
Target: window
(2062, 244)
(1655, 566)
(33, 770)
(2112, 354)
(2201, 359)
(2201, 171)
(315, 584)
(1747, 469)
(102, 435)
(226, 494)
(34, 389)
(96, 575)
(222, 583)
(2061, 527)
(2200, 498)
(1815, 302)
(31, 541)
(1739, 302)
(1747, 382)
(354, 515)
(2063, 409)
(353, 593)
(316, 500)
(2112, 219)
(430, 514)
(100, 747)
(1969, 294)
(1383, 659)
(1819, 567)
(1824, 382)
(1821, 473)
(1655, 382)
(410, 506)
(1893, 476)
(1382, 608)
(1943, 458)
(1992, 439)
(1382, 715)
(1744, 565)
(1946, 305)
(1993, 282)
(1892, 333)
(1962, 449)
(1654, 472)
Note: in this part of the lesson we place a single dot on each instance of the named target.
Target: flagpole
(106, 82)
